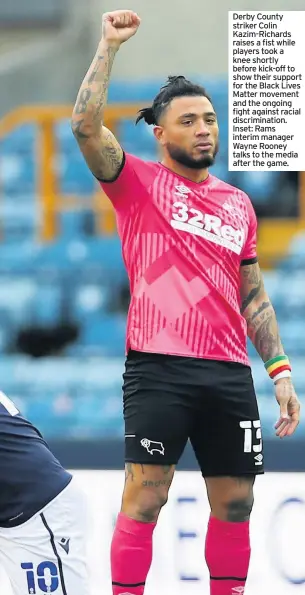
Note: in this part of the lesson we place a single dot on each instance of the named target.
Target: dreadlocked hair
(176, 86)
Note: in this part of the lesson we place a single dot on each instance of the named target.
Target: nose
(202, 129)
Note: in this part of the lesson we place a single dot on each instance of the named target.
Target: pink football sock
(227, 554)
(131, 555)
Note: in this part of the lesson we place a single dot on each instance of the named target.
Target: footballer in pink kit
(189, 246)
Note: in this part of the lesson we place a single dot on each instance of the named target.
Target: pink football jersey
(183, 244)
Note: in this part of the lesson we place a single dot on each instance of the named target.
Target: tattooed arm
(259, 313)
(264, 334)
(100, 148)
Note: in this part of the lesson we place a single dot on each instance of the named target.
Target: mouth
(203, 146)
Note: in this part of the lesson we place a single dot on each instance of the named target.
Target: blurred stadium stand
(34, 14)
(63, 287)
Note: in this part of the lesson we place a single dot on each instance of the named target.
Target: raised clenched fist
(118, 26)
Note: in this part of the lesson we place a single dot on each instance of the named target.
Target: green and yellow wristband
(278, 367)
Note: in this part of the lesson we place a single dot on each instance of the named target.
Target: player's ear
(159, 134)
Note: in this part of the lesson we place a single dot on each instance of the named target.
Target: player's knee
(146, 491)
(239, 509)
(231, 498)
(240, 501)
(145, 504)
(150, 504)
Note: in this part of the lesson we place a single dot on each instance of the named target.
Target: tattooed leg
(146, 490)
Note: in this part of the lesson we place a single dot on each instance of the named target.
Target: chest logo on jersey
(209, 227)
(182, 191)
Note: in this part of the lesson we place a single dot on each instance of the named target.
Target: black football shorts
(169, 400)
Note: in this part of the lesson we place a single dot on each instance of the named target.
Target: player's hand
(289, 408)
(118, 26)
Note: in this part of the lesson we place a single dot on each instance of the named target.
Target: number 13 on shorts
(253, 438)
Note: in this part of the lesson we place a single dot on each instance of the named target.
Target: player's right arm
(101, 150)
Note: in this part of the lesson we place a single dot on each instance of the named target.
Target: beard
(185, 159)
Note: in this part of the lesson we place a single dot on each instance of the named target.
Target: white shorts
(47, 554)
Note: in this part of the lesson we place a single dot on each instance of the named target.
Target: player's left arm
(263, 331)
(259, 313)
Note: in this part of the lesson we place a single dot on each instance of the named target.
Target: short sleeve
(249, 254)
(129, 183)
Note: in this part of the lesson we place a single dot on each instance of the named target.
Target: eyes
(209, 121)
